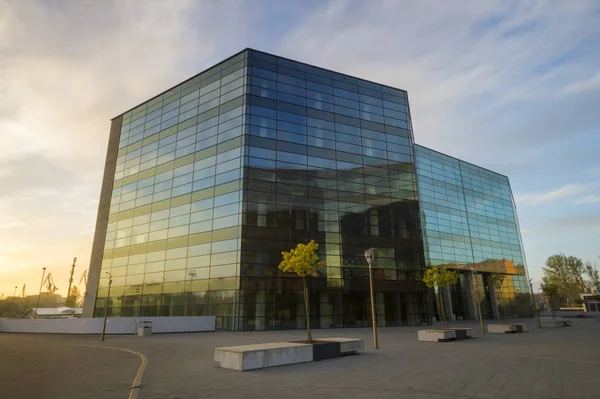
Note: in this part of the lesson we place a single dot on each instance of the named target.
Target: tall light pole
(139, 302)
(39, 294)
(476, 289)
(106, 304)
(370, 255)
(535, 309)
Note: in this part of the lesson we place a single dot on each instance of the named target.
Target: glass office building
(207, 183)
(470, 224)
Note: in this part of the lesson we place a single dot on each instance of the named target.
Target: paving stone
(550, 363)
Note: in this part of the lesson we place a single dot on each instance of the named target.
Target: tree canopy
(304, 261)
(440, 276)
(497, 280)
(443, 278)
(566, 274)
(74, 299)
(591, 270)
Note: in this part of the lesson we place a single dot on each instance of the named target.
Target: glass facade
(214, 178)
(219, 175)
(330, 158)
(469, 222)
(174, 230)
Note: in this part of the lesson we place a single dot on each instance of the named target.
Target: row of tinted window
(180, 114)
(315, 74)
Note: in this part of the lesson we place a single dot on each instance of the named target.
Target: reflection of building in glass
(470, 223)
(208, 182)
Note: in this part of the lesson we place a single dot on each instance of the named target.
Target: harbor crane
(84, 279)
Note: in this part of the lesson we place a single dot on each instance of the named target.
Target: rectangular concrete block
(506, 328)
(348, 345)
(462, 333)
(522, 327)
(250, 357)
(556, 324)
(551, 324)
(436, 335)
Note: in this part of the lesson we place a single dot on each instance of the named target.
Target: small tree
(566, 272)
(551, 291)
(74, 298)
(497, 281)
(441, 277)
(304, 261)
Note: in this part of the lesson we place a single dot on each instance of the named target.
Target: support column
(494, 303)
(259, 322)
(300, 313)
(380, 309)
(110, 165)
(324, 309)
(471, 298)
(448, 304)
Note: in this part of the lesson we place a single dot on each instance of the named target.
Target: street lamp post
(106, 304)
(535, 309)
(39, 294)
(139, 303)
(370, 255)
(476, 289)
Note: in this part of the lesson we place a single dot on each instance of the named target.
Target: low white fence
(119, 325)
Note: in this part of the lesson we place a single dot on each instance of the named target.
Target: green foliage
(74, 299)
(304, 261)
(497, 280)
(10, 308)
(593, 274)
(552, 292)
(441, 277)
(566, 273)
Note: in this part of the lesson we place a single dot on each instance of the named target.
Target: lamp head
(370, 254)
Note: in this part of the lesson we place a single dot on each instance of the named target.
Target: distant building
(589, 288)
(53, 313)
(47, 300)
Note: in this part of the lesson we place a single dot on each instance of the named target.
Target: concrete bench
(462, 333)
(556, 323)
(348, 346)
(507, 328)
(258, 356)
(436, 335)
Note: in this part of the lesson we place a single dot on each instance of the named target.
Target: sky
(513, 86)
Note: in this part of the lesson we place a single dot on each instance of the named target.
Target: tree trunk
(443, 309)
(504, 306)
(306, 309)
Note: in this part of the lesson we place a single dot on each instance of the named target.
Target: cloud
(566, 191)
(587, 84)
(571, 221)
(503, 84)
(65, 71)
(484, 78)
(588, 199)
(11, 224)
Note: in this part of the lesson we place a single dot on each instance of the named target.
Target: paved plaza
(549, 363)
